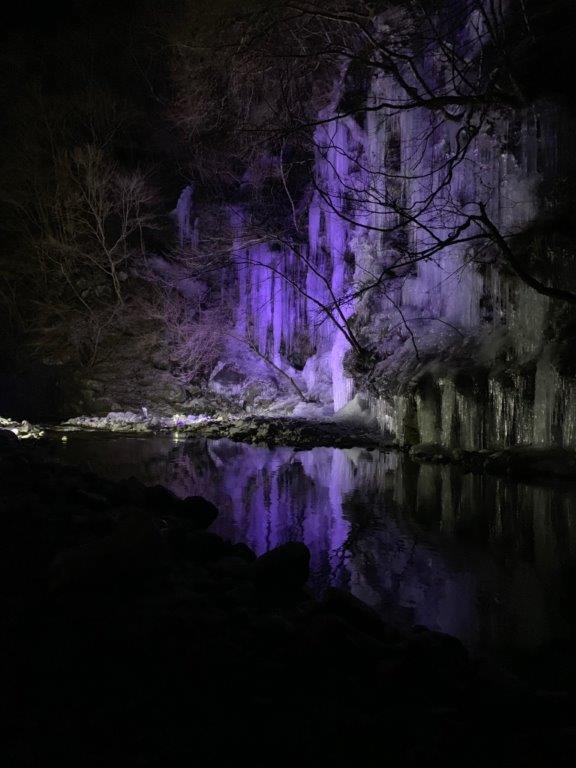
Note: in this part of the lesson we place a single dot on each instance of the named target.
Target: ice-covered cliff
(461, 350)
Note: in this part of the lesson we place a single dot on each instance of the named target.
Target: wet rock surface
(133, 633)
(301, 433)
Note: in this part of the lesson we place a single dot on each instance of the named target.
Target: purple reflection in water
(486, 560)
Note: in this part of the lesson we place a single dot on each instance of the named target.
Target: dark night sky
(71, 46)
(68, 46)
(70, 39)
(27, 16)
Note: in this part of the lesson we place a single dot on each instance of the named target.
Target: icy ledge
(22, 429)
(262, 430)
(127, 421)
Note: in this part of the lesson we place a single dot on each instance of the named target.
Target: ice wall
(292, 298)
(272, 311)
(467, 352)
(463, 344)
(469, 357)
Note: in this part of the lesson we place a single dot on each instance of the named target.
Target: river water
(490, 561)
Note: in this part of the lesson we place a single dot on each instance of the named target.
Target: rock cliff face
(462, 350)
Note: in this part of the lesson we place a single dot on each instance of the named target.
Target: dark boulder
(227, 375)
(287, 566)
(354, 611)
(230, 567)
(197, 511)
(435, 651)
(130, 491)
(198, 546)
(133, 555)
(243, 551)
(160, 500)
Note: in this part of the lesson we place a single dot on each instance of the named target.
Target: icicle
(544, 401)
(187, 224)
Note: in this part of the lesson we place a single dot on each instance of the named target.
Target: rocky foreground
(135, 636)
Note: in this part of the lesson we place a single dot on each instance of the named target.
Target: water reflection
(490, 561)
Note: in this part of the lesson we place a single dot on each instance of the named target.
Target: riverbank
(135, 633)
(271, 431)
